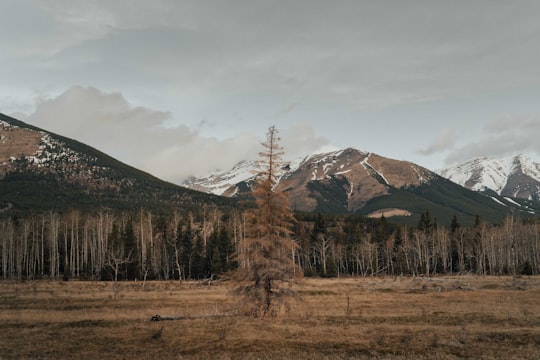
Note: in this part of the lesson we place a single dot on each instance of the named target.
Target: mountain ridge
(516, 176)
(320, 167)
(360, 182)
(41, 170)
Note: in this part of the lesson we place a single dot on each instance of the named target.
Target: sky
(183, 88)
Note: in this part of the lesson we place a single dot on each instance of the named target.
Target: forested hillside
(42, 171)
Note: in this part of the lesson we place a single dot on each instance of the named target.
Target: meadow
(451, 317)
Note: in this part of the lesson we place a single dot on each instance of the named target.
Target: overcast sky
(180, 88)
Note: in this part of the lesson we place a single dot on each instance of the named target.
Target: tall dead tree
(267, 262)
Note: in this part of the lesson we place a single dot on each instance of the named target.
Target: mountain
(515, 177)
(40, 170)
(224, 183)
(359, 182)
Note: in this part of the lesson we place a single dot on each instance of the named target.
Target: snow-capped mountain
(347, 163)
(223, 182)
(517, 176)
(228, 183)
(347, 178)
(355, 181)
(40, 171)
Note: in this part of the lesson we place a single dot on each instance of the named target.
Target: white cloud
(136, 135)
(510, 135)
(363, 54)
(140, 137)
(444, 142)
(353, 70)
(301, 140)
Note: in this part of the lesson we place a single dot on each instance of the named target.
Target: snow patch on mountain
(220, 182)
(371, 169)
(323, 166)
(510, 200)
(480, 173)
(516, 176)
(498, 201)
(7, 125)
(318, 167)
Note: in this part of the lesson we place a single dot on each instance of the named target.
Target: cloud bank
(506, 136)
(383, 76)
(442, 143)
(145, 139)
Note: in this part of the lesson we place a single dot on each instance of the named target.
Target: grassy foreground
(353, 318)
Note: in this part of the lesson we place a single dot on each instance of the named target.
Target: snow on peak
(220, 182)
(483, 173)
(526, 166)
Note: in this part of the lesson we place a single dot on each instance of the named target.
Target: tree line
(105, 245)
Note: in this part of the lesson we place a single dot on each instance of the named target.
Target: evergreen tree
(198, 267)
(319, 227)
(224, 248)
(454, 225)
(425, 224)
(477, 222)
(129, 241)
(186, 248)
(382, 230)
(269, 261)
(454, 236)
(213, 264)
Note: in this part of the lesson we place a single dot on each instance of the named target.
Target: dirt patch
(389, 213)
(17, 143)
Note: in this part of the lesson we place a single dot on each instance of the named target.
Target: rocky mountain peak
(517, 176)
(351, 176)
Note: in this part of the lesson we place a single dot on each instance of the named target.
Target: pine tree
(268, 263)
(186, 249)
(319, 227)
(425, 224)
(198, 267)
(132, 268)
(213, 263)
(454, 225)
(224, 248)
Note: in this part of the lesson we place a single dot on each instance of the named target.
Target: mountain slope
(40, 170)
(353, 175)
(354, 181)
(345, 180)
(516, 177)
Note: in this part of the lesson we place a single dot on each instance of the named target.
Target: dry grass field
(355, 318)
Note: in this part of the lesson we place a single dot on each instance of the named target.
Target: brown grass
(360, 318)
(17, 142)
